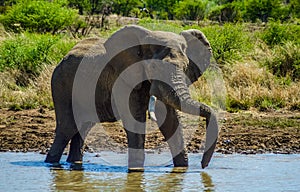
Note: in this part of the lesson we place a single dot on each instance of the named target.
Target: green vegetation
(256, 44)
(29, 53)
(283, 121)
(285, 60)
(229, 42)
(38, 16)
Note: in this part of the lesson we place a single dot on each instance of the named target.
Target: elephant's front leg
(172, 131)
(136, 154)
(136, 139)
(135, 126)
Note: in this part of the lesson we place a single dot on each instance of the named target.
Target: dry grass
(36, 94)
(249, 85)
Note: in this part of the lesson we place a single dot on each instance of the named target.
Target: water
(267, 172)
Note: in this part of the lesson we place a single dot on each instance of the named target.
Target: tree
(230, 12)
(124, 7)
(81, 5)
(191, 9)
(162, 9)
(295, 8)
(262, 9)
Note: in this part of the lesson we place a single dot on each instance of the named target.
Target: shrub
(265, 103)
(230, 12)
(285, 60)
(28, 53)
(263, 10)
(228, 42)
(190, 9)
(124, 7)
(276, 33)
(38, 16)
(295, 8)
(235, 104)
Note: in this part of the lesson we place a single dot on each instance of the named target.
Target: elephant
(120, 79)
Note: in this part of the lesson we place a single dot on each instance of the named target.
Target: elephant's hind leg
(57, 148)
(65, 130)
(77, 142)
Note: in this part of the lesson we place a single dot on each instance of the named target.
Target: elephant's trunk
(187, 105)
(180, 99)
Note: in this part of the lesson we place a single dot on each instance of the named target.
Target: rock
(260, 151)
(248, 152)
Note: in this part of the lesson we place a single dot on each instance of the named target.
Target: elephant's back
(86, 49)
(89, 47)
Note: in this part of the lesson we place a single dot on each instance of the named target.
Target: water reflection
(172, 181)
(176, 179)
(207, 182)
(135, 182)
(28, 172)
(64, 180)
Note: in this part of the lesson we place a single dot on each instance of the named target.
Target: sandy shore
(247, 132)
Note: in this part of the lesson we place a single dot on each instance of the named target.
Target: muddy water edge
(248, 132)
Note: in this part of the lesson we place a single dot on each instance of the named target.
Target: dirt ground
(247, 132)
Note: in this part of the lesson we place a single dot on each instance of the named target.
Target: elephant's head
(171, 62)
(190, 58)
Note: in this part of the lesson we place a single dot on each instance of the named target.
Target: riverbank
(248, 132)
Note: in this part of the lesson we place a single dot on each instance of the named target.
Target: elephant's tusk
(151, 108)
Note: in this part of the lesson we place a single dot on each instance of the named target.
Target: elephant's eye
(183, 47)
(172, 55)
(139, 53)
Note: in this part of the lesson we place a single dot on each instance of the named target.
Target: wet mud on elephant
(107, 80)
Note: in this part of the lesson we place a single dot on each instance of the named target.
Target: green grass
(157, 25)
(28, 53)
(268, 122)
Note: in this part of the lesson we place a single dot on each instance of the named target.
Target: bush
(285, 60)
(230, 12)
(190, 10)
(265, 103)
(124, 7)
(276, 33)
(228, 42)
(295, 8)
(263, 10)
(235, 105)
(28, 53)
(38, 16)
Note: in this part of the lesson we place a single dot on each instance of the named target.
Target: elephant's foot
(77, 165)
(76, 149)
(136, 158)
(57, 149)
(181, 160)
(52, 158)
(137, 169)
(74, 158)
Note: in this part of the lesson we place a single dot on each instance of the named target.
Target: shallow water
(267, 172)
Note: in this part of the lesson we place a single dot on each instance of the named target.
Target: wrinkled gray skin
(175, 96)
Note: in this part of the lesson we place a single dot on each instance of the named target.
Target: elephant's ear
(199, 53)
